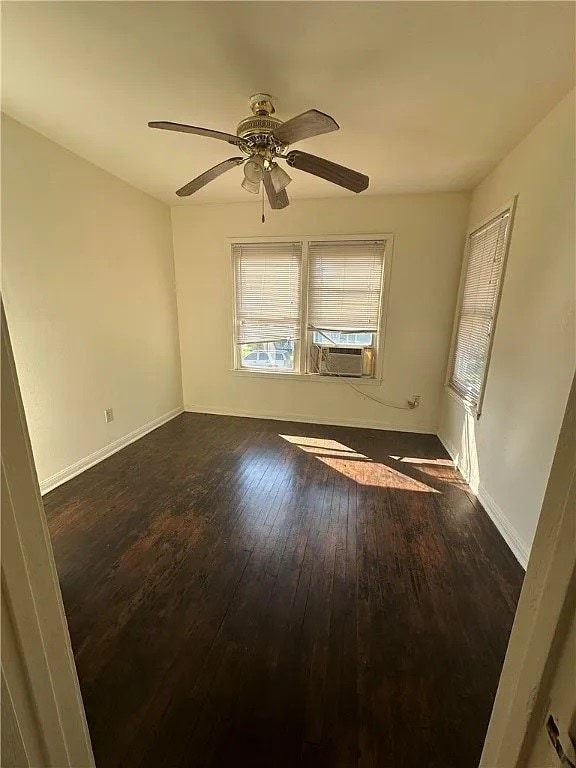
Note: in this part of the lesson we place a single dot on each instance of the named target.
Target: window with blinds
(478, 307)
(268, 286)
(345, 285)
(295, 302)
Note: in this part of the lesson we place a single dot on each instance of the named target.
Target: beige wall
(536, 675)
(507, 453)
(88, 286)
(428, 232)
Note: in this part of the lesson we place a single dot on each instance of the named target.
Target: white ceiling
(429, 96)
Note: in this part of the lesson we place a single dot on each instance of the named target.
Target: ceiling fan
(264, 140)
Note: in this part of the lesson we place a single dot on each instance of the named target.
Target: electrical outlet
(108, 415)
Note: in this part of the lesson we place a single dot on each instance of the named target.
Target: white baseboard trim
(456, 457)
(363, 423)
(94, 458)
(510, 535)
(454, 454)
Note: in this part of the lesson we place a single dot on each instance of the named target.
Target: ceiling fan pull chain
(263, 217)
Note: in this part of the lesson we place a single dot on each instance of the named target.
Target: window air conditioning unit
(340, 361)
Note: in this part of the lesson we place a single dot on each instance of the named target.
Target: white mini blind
(268, 288)
(486, 252)
(345, 284)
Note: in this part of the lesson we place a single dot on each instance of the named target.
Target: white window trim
(476, 409)
(300, 374)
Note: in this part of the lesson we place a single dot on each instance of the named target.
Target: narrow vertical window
(476, 317)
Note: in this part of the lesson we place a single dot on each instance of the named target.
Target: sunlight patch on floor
(355, 465)
(443, 470)
(417, 460)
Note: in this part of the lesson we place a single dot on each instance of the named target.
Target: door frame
(38, 667)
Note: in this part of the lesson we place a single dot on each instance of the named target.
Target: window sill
(469, 407)
(316, 377)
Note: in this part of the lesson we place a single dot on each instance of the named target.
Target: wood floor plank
(243, 592)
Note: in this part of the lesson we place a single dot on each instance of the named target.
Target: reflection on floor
(255, 593)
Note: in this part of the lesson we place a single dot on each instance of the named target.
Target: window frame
(475, 409)
(302, 344)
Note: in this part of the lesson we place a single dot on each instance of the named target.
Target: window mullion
(303, 347)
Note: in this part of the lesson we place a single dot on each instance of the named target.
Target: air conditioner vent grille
(341, 361)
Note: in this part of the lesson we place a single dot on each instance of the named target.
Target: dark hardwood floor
(256, 593)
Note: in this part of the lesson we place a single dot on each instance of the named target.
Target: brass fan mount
(261, 104)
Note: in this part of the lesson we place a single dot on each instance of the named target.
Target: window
(343, 339)
(296, 301)
(344, 299)
(268, 299)
(476, 316)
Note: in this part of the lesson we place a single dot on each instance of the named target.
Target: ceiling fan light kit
(265, 139)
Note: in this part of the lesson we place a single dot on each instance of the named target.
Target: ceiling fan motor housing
(257, 129)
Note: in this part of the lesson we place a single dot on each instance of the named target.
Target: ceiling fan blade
(304, 126)
(209, 175)
(276, 199)
(333, 172)
(182, 128)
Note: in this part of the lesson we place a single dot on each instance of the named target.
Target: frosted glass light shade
(254, 169)
(279, 177)
(251, 186)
